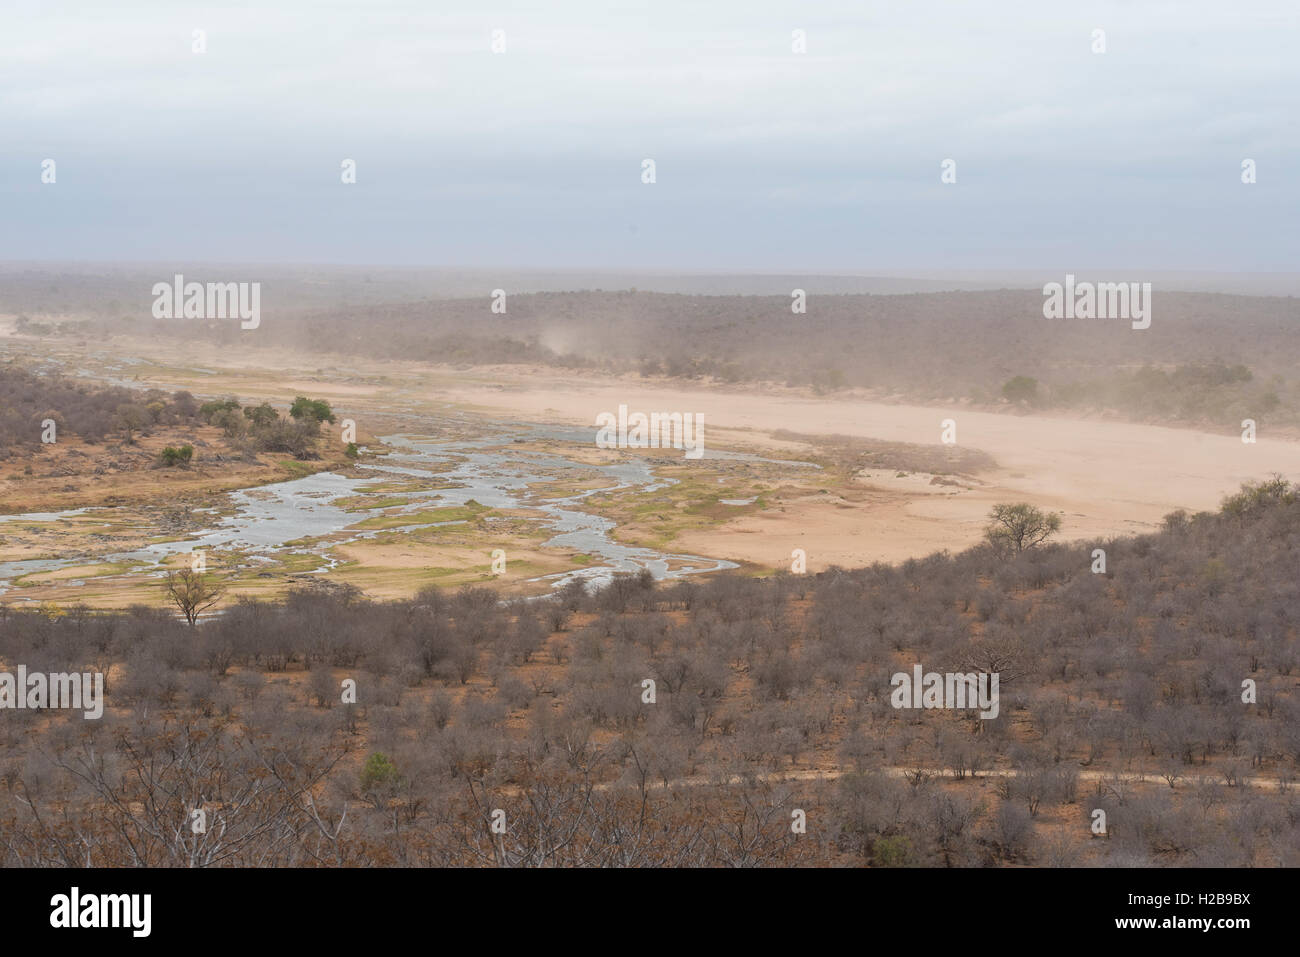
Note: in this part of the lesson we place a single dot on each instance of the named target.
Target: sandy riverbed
(1108, 478)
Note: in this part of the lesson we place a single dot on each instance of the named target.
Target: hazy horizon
(399, 283)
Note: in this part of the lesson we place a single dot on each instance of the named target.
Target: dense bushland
(90, 412)
(261, 429)
(466, 704)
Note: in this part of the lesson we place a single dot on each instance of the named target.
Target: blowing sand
(1106, 478)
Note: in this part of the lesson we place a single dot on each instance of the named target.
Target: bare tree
(1014, 528)
(191, 593)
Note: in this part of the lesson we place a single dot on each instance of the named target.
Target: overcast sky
(765, 159)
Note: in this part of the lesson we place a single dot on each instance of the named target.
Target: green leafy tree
(893, 851)
(379, 779)
(317, 410)
(263, 414)
(171, 456)
(208, 410)
(1022, 388)
(1255, 497)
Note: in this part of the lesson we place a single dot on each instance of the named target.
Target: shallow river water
(268, 517)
